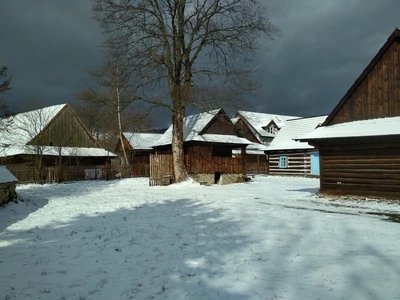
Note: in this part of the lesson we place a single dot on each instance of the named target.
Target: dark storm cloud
(48, 45)
(325, 45)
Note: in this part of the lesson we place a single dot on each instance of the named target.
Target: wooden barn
(209, 141)
(7, 185)
(359, 142)
(50, 144)
(139, 146)
(289, 157)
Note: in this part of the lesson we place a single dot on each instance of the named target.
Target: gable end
(376, 92)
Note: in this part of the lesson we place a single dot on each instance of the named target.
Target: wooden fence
(27, 174)
(161, 169)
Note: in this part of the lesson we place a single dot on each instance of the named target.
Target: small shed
(289, 157)
(7, 185)
(139, 146)
(359, 142)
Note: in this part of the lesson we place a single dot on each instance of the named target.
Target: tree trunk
(125, 161)
(178, 155)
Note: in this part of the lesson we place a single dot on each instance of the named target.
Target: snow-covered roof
(234, 120)
(54, 151)
(259, 120)
(219, 138)
(364, 128)
(192, 127)
(253, 148)
(142, 141)
(6, 176)
(23, 127)
(284, 140)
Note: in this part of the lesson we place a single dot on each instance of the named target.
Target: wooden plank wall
(378, 95)
(65, 131)
(363, 169)
(201, 161)
(256, 164)
(299, 163)
(27, 173)
(140, 164)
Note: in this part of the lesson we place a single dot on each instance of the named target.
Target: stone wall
(223, 179)
(7, 192)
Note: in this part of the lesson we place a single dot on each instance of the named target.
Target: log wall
(299, 163)
(365, 169)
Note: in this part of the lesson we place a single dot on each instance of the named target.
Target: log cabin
(289, 157)
(359, 142)
(36, 145)
(209, 141)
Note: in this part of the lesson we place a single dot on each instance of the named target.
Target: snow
(54, 151)
(364, 128)
(193, 126)
(284, 140)
(142, 141)
(272, 238)
(259, 120)
(23, 127)
(219, 138)
(6, 176)
(253, 148)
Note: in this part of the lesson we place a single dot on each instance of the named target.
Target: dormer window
(271, 129)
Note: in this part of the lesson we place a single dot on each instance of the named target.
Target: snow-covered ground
(272, 238)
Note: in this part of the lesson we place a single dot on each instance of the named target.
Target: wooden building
(138, 146)
(209, 141)
(257, 127)
(359, 142)
(43, 144)
(289, 157)
(260, 129)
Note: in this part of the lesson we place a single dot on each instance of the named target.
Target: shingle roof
(23, 127)
(284, 140)
(142, 141)
(192, 127)
(54, 151)
(260, 120)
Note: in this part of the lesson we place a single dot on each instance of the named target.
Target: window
(283, 162)
(271, 129)
(222, 151)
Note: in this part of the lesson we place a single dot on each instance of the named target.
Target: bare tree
(28, 127)
(5, 86)
(113, 95)
(179, 44)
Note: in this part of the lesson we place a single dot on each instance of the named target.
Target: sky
(49, 45)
